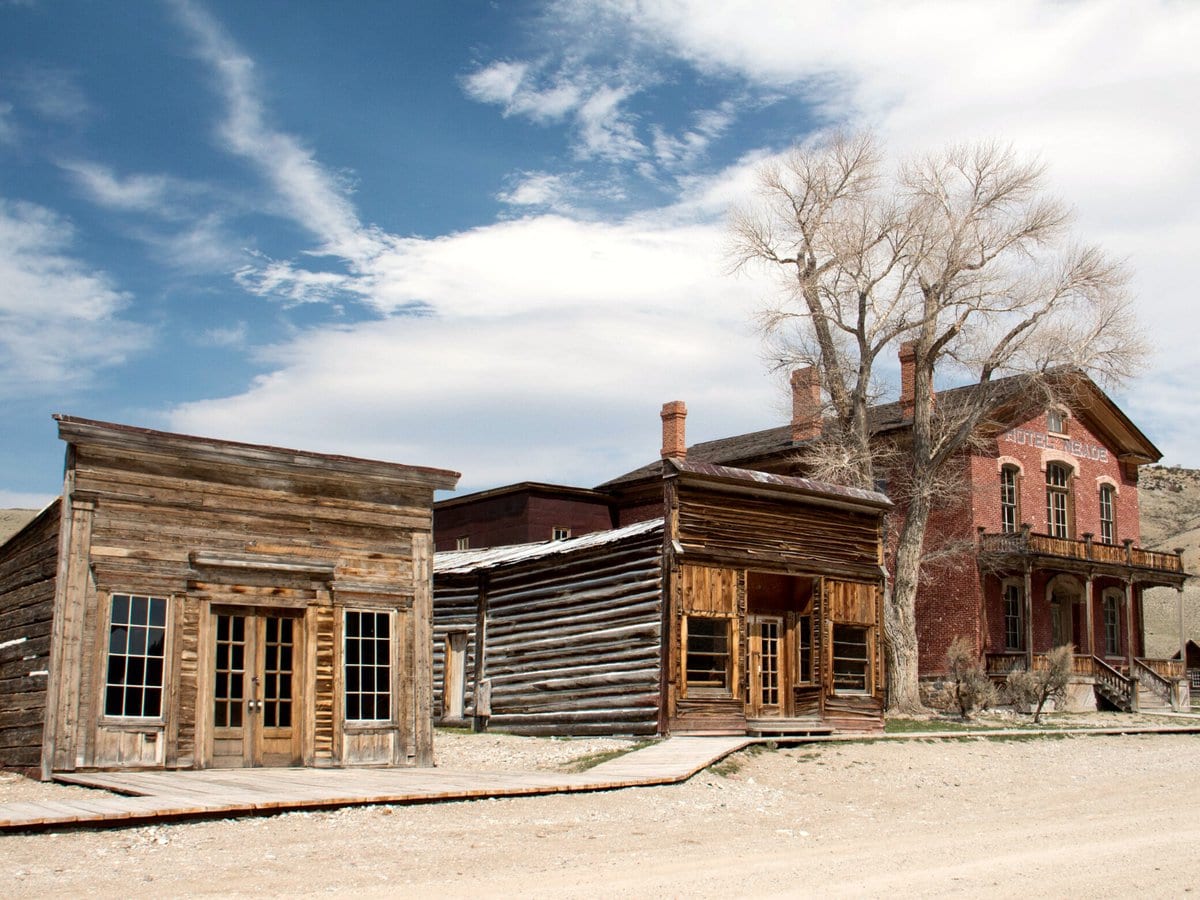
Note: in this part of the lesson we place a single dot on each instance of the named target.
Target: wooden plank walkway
(133, 798)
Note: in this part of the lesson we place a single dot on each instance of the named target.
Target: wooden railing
(1170, 669)
(1119, 688)
(1026, 542)
(1152, 681)
(1003, 663)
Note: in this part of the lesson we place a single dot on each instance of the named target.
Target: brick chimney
(674, 417)
(908, 378)
(806, 404)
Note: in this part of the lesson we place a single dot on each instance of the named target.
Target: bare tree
(958, 252)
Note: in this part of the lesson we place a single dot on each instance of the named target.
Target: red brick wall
(516, 518)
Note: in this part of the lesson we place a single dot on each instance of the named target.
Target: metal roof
(464, 562)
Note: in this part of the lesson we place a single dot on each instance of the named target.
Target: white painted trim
(1049, 456)
(1109, 480)
(1010, 461)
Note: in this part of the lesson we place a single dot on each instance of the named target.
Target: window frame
(866, 660)
(1062, 417)
(107, 684)
(805, 652)
(1110, 611)
(1059, 518)
(1012, 593)
(705, 688)
(462, 542)
(1108, 514)
(361, 666)
(560, 533)
(1010, 499)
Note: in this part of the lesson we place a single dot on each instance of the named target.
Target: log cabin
(194, 603)
(751, 603)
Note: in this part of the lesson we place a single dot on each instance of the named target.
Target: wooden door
(254, 696)
(767, 672)
(454, 675)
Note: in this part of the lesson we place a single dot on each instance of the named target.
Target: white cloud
(232, 336)
(54, 94)
(59, 318)
(139, 192)
(539, 189)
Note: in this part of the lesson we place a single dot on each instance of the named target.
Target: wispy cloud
(54, 94)
(138, 192)
(59, 318)
(233, 336)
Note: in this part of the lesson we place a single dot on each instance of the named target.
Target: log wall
(572, 642)
(28, 564)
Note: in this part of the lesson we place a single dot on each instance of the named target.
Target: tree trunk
(900, 619)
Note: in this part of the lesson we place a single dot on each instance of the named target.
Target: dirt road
(1088, 816)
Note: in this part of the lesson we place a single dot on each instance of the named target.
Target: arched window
(1058, 500)
(1108, 514)
(1010, 513)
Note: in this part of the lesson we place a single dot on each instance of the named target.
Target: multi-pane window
(1112, 625)
(1108, 516)
(368, 666)
(708, 655)
(1009, 514)
(1056, 421)
(851, 659)
(1014, 617)
(560, 533)
(804, 647)
(462, 543)
(137, 639)
(1058, 500)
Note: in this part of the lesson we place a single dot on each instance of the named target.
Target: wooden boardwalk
(130, 798)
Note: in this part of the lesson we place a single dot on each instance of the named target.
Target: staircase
(1153, 691)
(1114, 688)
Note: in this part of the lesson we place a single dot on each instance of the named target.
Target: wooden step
(779, 726)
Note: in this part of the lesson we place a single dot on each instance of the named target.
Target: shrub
(972, 688)
(1036, 688)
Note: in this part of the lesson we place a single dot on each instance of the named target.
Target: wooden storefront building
(749, 603)
(194, 603)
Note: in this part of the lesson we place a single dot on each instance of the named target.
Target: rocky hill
(13, 520)
(1169, 498)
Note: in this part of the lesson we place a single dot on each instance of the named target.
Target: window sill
(364, 727)
(132, 724)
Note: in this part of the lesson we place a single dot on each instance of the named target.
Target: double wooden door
(257, 681)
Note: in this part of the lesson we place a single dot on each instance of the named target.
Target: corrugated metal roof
(464, 562)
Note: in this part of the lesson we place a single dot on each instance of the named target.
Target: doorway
(766, 684)
(254, 696)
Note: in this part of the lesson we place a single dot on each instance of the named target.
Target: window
(1014, 617)
(804, 647)
(559, 533)
(708, 655)
(1112, 625)
(137, 639)
(851, 659)
(1058, 495)
(1009, 513)
(1056, 421)
(368, 663)
(1108, 520)
(462, 543)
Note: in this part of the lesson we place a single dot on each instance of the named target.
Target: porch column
(1182, 633)
(1129, 623)
(1087, 606)
(1028, 616)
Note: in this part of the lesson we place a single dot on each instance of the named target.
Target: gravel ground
(1099, 816)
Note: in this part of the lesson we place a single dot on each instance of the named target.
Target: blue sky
(489, 237)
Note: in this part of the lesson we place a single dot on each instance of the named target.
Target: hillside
(1170, 510)
(13, 520)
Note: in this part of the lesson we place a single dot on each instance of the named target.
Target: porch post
(1028, 616)
(1087, 606)
(1129, 623)
(1182, 633)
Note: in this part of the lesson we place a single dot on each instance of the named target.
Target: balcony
(1042, 550)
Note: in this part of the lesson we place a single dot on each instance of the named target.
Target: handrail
(1148, 678)
(1119, 685)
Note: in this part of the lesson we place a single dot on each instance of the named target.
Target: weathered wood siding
(455, 609)
(774, 535)
(28, 563)
(212, 526)
(572, 642)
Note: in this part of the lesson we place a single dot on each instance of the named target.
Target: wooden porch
(1147, 682)
(1086, 553)
(138, 797)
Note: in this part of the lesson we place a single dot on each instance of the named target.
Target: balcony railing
(1026, 543)
(1081, 664)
